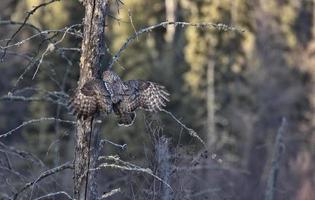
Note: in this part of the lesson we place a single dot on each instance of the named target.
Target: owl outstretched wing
(90, 99)
(145, 95)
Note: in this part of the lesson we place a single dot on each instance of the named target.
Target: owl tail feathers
(126, 119)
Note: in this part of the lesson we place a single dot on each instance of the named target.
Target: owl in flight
(121, 97)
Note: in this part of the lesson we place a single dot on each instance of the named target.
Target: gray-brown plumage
(90, 99)
(139, 94)
(114, 85)
(111, 93)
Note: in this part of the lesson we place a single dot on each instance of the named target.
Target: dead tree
(86, 135)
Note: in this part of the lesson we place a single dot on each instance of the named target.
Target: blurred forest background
(232, 88)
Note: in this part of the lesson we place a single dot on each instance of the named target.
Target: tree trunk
(313, 28)
(87, 135)
(170, 9)
(211, 134)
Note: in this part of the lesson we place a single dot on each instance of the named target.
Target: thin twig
(35, 121)
(21, 98)
(58, 110)
(10, 22)
(29, 99)
(222, 27)
(131, 21)
(51, 48)
(68, 165)
(44, 33)
(24, 22)
(111, 54)
(22, 154)
(191, 131)
(51, 195)
(69, 49)
(123, 165)
(109, 194)
(121, 146)
(24, 56)
(16, 173)
(27, 68)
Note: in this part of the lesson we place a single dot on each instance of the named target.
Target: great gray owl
(90, 99)
(123, 97)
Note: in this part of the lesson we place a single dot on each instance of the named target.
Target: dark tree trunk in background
(274, 98)
(87, 137)
(210, 97)
(170, 12)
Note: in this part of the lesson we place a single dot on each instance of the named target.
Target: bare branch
(109, 194)
(10, 22)
(191, 131)
(16, 173)
(51, 195)
(111, 54)
(131, 21)
(68, 165)
(21, 55)
(222, 27)
(22, 98)
(51, 48)
(22, 154)
(56, 97)
(121, 146)
(69, 49)
(24, 22)
(65, 30)
(123, 165)
(35, 121)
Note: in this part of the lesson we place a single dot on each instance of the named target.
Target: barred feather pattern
(90, 99)
(113, 94)
(153, 97)
(140, 94)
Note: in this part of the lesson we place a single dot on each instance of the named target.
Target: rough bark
(87, 136)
